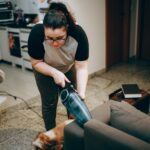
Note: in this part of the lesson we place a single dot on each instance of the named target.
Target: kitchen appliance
(14, 46)
(6, 12)
(14, 43)
(74, 104)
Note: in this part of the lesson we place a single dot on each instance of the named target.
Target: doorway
(117, 31)
(127, 36)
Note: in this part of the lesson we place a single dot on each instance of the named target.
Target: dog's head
(45, 142)
(52, 139)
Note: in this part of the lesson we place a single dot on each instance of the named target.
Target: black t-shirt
(36, 39)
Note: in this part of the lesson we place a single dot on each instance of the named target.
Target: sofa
(114, 125)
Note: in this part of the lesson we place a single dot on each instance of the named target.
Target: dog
(52, 139)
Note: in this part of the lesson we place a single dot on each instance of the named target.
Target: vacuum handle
(67, 86)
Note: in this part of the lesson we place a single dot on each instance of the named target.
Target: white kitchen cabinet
(28, 6)
(5, 54)
(20, 35)
(24, 34)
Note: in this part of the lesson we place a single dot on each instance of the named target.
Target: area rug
(27, 113)
(20, 123)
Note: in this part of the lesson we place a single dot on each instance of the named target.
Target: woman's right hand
(60, 78)
(42, 67)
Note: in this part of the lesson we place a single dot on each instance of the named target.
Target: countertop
(16, 26)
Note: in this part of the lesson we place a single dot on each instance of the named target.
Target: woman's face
(55, 37)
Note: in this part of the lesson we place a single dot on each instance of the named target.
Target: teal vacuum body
(74, 104)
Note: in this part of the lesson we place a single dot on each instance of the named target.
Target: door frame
(139, 27)
(141, 17)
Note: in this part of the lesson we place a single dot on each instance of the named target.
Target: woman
(59, 53)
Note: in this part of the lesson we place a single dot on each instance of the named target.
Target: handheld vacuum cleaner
(73, 103)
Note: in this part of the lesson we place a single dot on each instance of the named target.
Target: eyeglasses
(58, 40)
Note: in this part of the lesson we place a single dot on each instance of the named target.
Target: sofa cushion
(127, 118)
(102, 112)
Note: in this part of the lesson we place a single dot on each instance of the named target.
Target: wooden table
(141, 103)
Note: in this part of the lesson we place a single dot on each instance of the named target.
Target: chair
(98, 134)
(2, 77)
(4, 94)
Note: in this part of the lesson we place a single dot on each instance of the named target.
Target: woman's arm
(48, 70)
(81, 76)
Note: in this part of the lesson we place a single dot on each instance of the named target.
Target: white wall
(91, 16)
(28, 6)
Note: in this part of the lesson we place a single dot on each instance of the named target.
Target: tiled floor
(19, 122)
(18, 82)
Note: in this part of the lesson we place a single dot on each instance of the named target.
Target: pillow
(130, 120)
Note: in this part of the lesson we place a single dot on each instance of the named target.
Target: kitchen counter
(14, 26)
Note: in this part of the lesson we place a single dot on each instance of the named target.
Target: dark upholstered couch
(99, 134)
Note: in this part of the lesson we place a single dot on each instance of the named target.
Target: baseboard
(4, 61)
(92, 75)
(97, 73)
